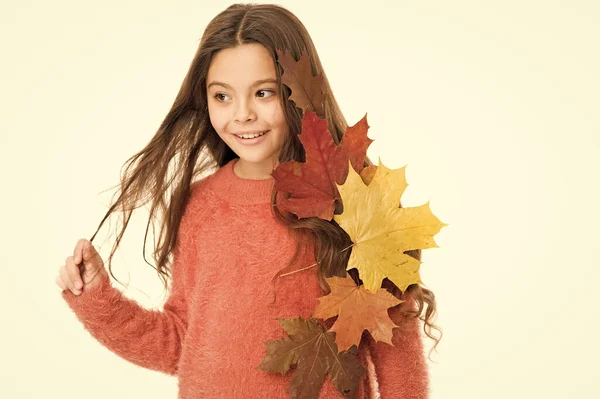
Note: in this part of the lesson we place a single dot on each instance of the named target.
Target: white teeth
(251, 136)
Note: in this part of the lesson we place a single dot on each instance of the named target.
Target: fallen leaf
(357, 309)
(382, 231)
(307, 90)
(312, 184)
(315, 354)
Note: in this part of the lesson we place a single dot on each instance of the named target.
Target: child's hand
(82, 270)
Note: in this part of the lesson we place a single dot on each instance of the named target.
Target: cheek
(283, 125)
(277, 117)
(218, 119)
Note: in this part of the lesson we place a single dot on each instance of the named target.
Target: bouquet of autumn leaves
(380, 230)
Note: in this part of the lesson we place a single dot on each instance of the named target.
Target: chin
(262, 153)
(253, 158)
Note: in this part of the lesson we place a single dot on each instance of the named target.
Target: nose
(244, 111)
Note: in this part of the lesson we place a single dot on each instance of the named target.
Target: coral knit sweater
(220, 309)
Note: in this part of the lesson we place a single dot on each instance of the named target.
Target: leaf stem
(296, 271)
(349, 246)
(308, 267)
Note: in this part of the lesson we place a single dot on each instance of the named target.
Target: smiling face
(243, 97)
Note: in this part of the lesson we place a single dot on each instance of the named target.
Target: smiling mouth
(251, 136)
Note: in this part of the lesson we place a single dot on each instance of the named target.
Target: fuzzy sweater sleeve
(149, 338)
(401, 369)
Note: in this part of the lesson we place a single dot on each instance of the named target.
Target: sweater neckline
(241, 191)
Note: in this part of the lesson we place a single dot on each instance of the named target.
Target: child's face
(236, 105)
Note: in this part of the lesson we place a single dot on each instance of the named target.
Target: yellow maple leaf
(382, 231)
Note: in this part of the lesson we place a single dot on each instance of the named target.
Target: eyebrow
(258, 82)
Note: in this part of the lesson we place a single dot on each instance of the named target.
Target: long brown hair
(186, 146)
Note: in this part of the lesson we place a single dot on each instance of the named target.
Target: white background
(493, 107)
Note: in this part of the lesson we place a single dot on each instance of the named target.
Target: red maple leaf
(311, 185)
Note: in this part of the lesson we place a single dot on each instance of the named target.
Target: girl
(227, 237)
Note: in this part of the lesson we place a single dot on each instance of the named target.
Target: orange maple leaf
(358, 309)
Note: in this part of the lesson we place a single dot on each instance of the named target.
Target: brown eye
(219, 94)
(266, 91)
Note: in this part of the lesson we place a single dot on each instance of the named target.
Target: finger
(60, 283)
(64, 275)
(91, 256)
(77, 253)
(74, 273)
